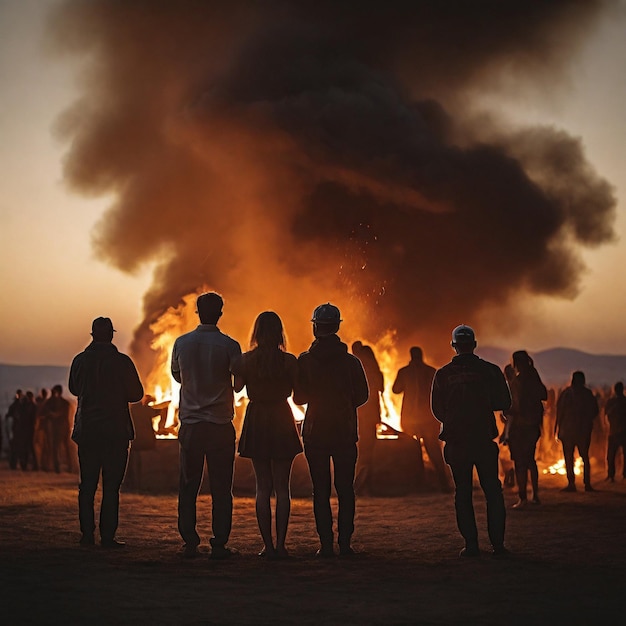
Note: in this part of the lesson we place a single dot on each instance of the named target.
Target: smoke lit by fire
(291, 153)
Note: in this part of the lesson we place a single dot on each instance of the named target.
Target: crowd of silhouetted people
(450, 414)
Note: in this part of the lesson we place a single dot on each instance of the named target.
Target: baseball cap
(463, 334)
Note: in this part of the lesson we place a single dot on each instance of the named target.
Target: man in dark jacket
(105, 381)
(331, 381)
(465, 394)
(576, 409)
(615, 411)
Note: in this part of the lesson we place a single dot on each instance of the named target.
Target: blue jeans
(214, 443)
(110, 458)
(344, 461)
(462, 459)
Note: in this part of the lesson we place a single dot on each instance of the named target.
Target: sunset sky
(53, 285)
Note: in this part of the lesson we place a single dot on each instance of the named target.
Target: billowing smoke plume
(289, 153)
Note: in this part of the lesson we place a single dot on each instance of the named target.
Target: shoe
(87, 540)
(469, 552)
(112, 544)
(589, 488)
(500, 552)
(535, 500)
(325, 552)
(520, 504)
(347, 551)
(281, 553)
(220, 553)
(609, 479)
(190, 551)
(569, 488)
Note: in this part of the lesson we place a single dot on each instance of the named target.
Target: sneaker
(190, 552)
(469, 552)
(569, 488)
(112, 544)
(520, 504)
(221, 553)
(325, 552)
(500, 552)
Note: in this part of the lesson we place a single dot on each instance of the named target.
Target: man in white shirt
(202, 362)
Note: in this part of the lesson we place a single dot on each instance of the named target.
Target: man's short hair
(209, 306)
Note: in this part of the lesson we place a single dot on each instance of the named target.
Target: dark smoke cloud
(287, 153)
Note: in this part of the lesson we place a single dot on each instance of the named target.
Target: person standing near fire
(368, 415)
(203, 363)
(415, 381)
(269, 436)
(576, 409)
(105, 382)
(465, 394)
(56, 416)
(615, 412)
(524, 423)
(332, 383)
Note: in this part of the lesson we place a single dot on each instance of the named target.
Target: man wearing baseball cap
(332, 383)
(105, 381)
(465, 394)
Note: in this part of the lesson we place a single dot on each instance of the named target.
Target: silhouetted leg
(521, 478)
(191, 468)
(568, 456)
(344, 462)
(264, 485)
(220, 466)
(534, 478)
(281, 472)
(433, 447)
(319, 467)
(583, 449)
(611, 454)
(113, 470)
(90, 463)
(462, 472)
(487, 468)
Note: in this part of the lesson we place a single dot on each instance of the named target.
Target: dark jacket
(105, 381)
(332, 383)
(465, 394)
(576, 409)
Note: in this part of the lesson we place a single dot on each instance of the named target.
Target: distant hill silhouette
(555, 366)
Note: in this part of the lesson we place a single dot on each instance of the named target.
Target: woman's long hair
(268, 344)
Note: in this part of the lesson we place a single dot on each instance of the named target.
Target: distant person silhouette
(40, 438)
(269, 435)
(525, 420)
(105, 382)
(11, 419)
(415, 382)
(368, 415)
(56, 414)
(506, 463)
(203, 363)
(465, 394)
(332, 383)
(615, 411)
(25, 431)
(576, 409)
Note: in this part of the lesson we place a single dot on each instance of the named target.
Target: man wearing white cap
(465, 394)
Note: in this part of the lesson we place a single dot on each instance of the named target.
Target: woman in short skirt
(269, 436)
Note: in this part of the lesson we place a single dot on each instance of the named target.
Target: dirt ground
(568, 563)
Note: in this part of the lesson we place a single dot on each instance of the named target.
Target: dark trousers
(615, 442)
(581, 442)
(214, 443)
(344, 461)
(462, 459)
(110, 458)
